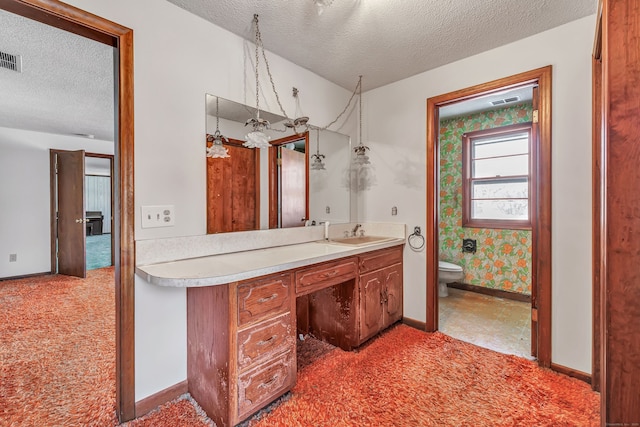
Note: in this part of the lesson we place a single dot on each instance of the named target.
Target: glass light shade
(257, 139)
(317, 164)
(217, 151)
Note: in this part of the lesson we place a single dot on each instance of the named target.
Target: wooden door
(371, 304)
(293, 188)
(393, 294)
(71, 222)
(232, 190)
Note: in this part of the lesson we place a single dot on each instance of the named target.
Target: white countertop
(231, 267)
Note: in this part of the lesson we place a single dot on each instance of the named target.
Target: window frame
(467, 179)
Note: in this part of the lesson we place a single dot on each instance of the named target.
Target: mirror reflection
(280, 186)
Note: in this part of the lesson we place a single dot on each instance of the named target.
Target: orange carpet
(57, 351)
(411, 378)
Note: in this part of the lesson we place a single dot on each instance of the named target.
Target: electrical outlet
(13, 257)
(158, 216)
(328, 210)
(394, 211)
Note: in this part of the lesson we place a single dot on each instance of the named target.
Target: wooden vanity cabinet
(241, 345)
(380, 291)
(328, 302)
(241, 352)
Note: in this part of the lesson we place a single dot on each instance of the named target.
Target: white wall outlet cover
(158, 216)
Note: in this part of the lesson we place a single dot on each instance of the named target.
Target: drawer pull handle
(329, 274)
(268, 340)
(266, 299)
(268, 383)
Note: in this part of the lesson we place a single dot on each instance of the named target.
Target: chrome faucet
(355, 229)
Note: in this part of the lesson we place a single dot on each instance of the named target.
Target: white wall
(25, 220)
(170, 148)
(396, 132)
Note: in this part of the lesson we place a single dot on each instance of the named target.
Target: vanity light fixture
(257, 138)
(317, 164)
(217, 150)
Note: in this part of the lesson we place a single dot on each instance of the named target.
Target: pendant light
(257, 138)
(317, 164)
(217, 150)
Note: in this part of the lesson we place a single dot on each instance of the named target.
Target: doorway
(81, 212)
(540, 188)
(69, 18)
(288, 183)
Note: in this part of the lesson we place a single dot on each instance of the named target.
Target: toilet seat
(449, 267)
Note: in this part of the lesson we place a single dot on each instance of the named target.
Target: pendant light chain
(255, 19)
(360, 108)
(346, 107)
(217, 116)
(260, 46)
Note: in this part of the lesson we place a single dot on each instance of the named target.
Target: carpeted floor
(57, 351)
(57, 364)
(411, 378)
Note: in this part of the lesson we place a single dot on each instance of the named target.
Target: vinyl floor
(494, 323)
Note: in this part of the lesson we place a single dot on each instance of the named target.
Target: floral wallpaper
(503, 257)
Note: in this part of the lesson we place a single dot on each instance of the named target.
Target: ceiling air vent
(11, 62)
(505, 100)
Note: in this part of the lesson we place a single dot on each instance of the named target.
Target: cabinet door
(393, 296)
(371, 304)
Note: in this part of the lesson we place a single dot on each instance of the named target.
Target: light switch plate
(158, 216)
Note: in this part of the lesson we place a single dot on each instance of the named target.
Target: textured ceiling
(66, 84)
(386, 40)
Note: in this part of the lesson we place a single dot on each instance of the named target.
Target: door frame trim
(541, 233)
(273, 175)
(70, 18)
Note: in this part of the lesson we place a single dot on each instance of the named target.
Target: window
(496, 172)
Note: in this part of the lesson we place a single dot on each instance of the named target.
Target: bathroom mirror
(252, 190)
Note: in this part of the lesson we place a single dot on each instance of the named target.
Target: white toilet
(447, 273)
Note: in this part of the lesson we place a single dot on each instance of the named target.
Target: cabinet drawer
(260, 386)
(264, 298)
(325, 274)
(265, 341)
(379, 259)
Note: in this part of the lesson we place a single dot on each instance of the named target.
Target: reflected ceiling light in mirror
(317, 164)
(321, 5)
(257, 137)
(364, 175)
(217, 150)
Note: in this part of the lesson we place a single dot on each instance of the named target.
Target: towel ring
(416, 239)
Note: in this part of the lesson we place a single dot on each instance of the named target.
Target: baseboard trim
(574, 373)
(414, 323)
(491, 292)
(26, 276)
(150, 403)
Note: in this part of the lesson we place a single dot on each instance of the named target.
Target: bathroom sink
(361, 240)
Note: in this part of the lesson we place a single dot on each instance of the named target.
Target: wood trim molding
(574, 373)
(150, 403)
(70, 18)
(414, 323)
(498, 293)
(541, 257)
